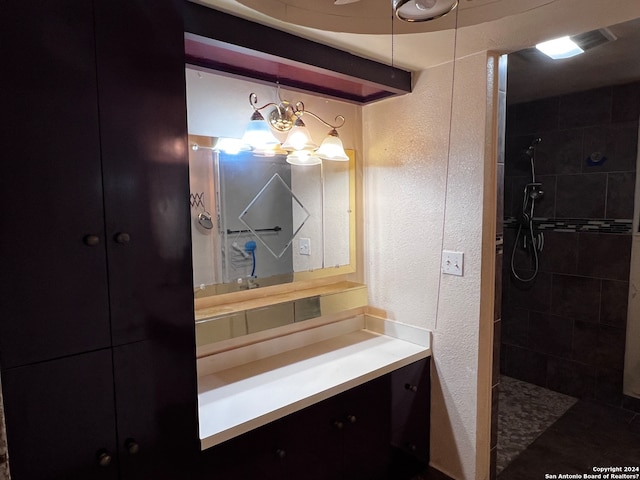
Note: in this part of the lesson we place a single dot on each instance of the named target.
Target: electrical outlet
(305, 246)
(452, 263)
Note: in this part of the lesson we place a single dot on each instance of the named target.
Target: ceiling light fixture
(422, 10)
(560, 48)
(285, 117)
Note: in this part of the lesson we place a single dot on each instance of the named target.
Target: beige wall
(421, 198)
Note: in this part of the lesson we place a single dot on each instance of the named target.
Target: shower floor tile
(525, 411)
(588, 435)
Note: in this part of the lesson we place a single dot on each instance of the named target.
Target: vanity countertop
(243, 395)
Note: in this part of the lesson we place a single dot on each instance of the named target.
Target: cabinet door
(257, 454)
(313, 441)
(53, 276)
(140, 58)
(60, 418)
(411, 408)
(155, 385)
(367, 451)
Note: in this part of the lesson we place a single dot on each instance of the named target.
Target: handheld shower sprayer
(532, 241)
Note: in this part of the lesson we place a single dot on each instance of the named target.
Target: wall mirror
(260, 221)
(257, 220)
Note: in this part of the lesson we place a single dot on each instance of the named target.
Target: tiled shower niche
(566, 329)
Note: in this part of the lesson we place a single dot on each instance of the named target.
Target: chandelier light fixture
(422, 10)
(287, 118)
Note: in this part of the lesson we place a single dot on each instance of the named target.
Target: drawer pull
(411, 388)
(131, 446)
(122, 238)
(91, 240)
(104, 458)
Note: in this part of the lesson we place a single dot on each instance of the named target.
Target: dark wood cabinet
(351, 436)
(411, 407)
(97, 344)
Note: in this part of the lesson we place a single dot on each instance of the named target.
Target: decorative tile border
(572, 225)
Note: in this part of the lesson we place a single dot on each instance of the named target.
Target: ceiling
(368, 29)
(532, 75)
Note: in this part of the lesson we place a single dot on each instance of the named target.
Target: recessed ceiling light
(559, 48)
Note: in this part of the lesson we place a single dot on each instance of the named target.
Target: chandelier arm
(299, 111)
(253, 101)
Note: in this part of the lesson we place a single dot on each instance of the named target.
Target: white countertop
(245, 396)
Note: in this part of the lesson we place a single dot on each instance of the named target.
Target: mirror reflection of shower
(528, 239)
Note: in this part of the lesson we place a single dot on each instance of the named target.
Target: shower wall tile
(583, 109)
(581, 196)
(609, 386)
(533, 117)
(497, 329)
(526, 365)
(576, 297)
(560, 254)
(522, 260)
(515, 326)
(620, 195)
(517, 193)
(516, 162)
(616, 144)
(559, 152)
(611, 344)
(509, 204)
(500, 206)
(571, 378)
(604, 256)
(626, 102)
(585, 343)
(566, 330)
(551, 334)
(614, 302)
(546, 206)
(497, 308)
(535, 295)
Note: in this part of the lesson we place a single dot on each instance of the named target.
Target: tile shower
(566, 329)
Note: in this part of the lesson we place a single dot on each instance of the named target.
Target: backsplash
(566, 329)
(572, 225)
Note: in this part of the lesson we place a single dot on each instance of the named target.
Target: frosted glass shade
(331, 148)
(230, 146)
(258, 134)
(303, 157)
(299, 138)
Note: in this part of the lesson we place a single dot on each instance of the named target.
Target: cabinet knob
(91, 240)
(122, 237)
(338, 425)
(352, 418)
(131, 446)
(281, 453)
(412, 388)
(104, 458)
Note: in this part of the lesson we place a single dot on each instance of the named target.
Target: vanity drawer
(410, 408)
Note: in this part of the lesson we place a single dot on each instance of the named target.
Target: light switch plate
(452, 263)
(305, 246)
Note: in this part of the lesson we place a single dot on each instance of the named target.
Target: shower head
(530, 151)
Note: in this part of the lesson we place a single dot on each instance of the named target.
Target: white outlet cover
(453, 263)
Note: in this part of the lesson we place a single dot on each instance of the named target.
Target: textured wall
(419, 199)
